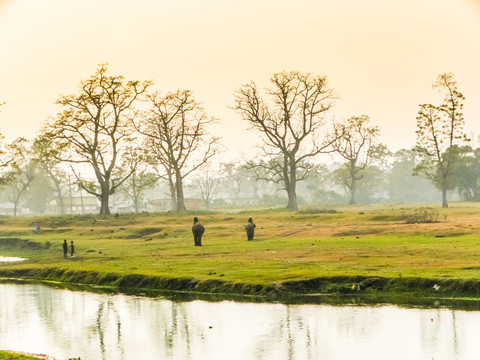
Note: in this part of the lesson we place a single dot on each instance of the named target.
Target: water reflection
(62, 323)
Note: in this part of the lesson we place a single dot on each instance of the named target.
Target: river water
(62, 323)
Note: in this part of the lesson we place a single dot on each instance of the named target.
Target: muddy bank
(408, 291)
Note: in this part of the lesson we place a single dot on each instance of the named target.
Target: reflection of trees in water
(62, 312)
(67, 315)
(163, 326)
(455, 338)
(108, 320)
(170, 332)
(289, 335)
(109, 327)
(436, 328)
(186, 330)
(99, 330)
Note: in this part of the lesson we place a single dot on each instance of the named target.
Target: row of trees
(117, 135)
(387, 179)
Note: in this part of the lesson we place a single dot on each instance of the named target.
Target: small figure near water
(250, 229)
(65, 249)
(197, 230)
(72, 249)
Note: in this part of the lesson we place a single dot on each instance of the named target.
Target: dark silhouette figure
(72, 249)
(65, 249)
(250, 229)
(197, 230)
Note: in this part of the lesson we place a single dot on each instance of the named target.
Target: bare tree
(93, 129)
(353, 140)
(232, 178)
(206, 184)
(141, 178)
(441, 138)
(176, 133)
(289, 126)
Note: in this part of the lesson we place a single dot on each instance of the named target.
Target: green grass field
(288, 246)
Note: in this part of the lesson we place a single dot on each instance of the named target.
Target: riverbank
(453, 293)
(11, 355)
(346, 251)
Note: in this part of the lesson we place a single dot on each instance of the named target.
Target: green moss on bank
(284, 291)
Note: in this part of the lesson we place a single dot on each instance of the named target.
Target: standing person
(250, 229)
(197, 230)
(65, 249)
(72, 249)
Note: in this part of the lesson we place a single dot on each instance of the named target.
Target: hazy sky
(381, 57)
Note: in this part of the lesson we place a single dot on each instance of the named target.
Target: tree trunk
(180, 206)
(292, 188)
(104, 198)
(353, 181)
(135, 194)
(60, 201)
(173, 193)
(444, 198)
(61, 204)
(135, 203)
(292, 201)
(353, 189)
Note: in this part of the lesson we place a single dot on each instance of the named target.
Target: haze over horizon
(381, 58)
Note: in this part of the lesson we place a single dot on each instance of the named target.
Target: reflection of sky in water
(66, 324)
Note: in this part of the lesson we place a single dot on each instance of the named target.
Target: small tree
(207, 185)
(46, 158)
(353, 140)
(402, 186)
(441, 137)
(141, 178)
(467, 173)
(232, 178)
(21, 172)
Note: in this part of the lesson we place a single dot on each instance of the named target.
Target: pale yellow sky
(381, 57)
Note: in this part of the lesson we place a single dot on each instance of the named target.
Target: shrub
(423, 215)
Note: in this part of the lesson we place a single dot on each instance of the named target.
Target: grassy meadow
(289, 246)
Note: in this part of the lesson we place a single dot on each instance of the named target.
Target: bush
(423, 215)
(312, 211)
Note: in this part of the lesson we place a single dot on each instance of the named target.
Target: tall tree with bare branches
(176, 132)
(441, 138)
(94, 127)
(289, 125)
